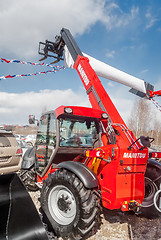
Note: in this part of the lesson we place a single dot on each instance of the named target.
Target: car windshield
(78, 133)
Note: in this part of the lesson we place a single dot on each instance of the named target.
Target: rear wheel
(152, 185)
(72, 210)
(28, 177)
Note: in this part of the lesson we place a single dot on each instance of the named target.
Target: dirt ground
(119, 225)
(126, 226)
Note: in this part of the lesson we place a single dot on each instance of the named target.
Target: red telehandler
(87, 158)
(84, 159)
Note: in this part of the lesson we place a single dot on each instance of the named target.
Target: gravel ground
(119, 225)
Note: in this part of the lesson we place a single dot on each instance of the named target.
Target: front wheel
(72, 210)
(152, 186)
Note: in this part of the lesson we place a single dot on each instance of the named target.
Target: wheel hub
(64, 203)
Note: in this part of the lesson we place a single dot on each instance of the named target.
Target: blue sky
(124, 34)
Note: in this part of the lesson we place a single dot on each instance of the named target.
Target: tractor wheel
(71, 209)
(152, 185)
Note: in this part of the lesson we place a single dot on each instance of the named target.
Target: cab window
(42, 131)
(46, 141)
(78, 133)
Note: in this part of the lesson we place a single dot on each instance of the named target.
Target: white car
(23, 145)
(19, 137)
(30, 140)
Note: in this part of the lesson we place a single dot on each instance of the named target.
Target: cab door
(46, 141)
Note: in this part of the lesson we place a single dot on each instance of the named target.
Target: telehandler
(84, 159)
(87, 158)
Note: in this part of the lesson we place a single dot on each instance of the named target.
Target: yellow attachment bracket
(95, 164)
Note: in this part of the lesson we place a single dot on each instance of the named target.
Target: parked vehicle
(10, 153)
(19, 137)
(30, 140)
(19, 218)
(23, 145)
(87, 157)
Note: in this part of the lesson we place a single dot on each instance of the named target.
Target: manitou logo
(134, 155)
(83, 75)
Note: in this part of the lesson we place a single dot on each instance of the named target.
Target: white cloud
(110, 84)
(117, 18)
(24, 23)
(122, 99)
(158, 84)
(144, 71)
(15, 108)
(110, 53)
(151, 19)
(124, 107)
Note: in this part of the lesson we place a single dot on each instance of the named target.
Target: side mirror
(31, 119)
(146, 141)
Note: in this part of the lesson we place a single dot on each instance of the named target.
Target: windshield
(78, 133)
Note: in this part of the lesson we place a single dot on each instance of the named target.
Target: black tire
(152, 185)
(72, 210)
(29, 144)
(28, 178)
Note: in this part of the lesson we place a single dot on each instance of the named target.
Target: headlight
(68, 110)
(104, 115)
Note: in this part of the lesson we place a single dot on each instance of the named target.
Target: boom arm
(66, 43)
(125, 158)
(87, 67)
(138, 86)
(97, 95)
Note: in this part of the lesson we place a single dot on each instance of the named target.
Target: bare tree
(156, 132)
(140, 121)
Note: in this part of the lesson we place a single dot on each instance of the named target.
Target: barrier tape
(31, 74)
(156, 104)
(55, 68)
(30, 63)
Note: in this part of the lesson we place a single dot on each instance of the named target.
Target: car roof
(6, 132)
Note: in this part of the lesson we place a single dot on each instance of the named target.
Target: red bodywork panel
(155, 155)
(80, 111)
(121, 175)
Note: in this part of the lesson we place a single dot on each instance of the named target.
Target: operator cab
(64, 134)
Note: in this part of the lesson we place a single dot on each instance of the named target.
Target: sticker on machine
(134, 155)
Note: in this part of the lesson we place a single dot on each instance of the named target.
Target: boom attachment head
(56, 48)
(154, 94)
